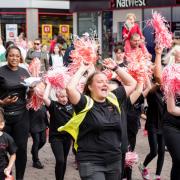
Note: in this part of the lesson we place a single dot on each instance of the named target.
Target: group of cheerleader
(96, 108)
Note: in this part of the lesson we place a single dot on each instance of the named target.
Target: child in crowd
(38, 126)
(7, 145)
(129, 28)
(60, 113)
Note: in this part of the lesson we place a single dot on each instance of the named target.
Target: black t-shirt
(59, 116)
(155, 110)
(171, 120)
(7, 145)
(99, 138)
(10, 82)
(38, 120)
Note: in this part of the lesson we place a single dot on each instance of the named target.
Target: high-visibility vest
(72, 126)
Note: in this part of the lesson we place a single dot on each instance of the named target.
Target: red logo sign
(64, 29)
(11, 34)
(47, 29)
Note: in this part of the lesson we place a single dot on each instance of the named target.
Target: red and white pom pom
(163, 37)
(85, 50)
(139, 67)
(10, 177)
(171, 80)
(58, 78)
(35, 67)
(131, 159)
(36, 100)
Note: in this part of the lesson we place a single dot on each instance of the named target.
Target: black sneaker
(38, 165)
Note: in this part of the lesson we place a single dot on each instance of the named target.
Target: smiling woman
(13, 57)
(96, 127)
(13, 100)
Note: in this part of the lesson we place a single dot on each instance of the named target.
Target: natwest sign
(130, 3)
(116, 4)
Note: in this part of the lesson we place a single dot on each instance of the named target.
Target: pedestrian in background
(36, 52)
(38, 126)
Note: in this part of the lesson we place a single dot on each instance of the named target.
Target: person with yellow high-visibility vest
(96, 127)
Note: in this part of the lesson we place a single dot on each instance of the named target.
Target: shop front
(36, 18)
(12, 23)
(106, 17)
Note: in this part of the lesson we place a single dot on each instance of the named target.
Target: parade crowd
(89, 104)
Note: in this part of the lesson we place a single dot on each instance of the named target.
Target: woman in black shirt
(171, 115)
(99, 137)
(13, 100)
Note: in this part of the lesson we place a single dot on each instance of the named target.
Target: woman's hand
(7, 171)
(9, 100)
(158, 50)
(109, 63)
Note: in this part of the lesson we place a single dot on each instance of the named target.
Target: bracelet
(115, 68)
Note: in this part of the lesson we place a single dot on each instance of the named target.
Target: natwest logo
(127, 3)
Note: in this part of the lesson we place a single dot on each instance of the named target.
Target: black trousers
(39, 139)
(18, 127)
(91, 171)
(60, 148)
(127, 171)
(172, 136)
(157, 147)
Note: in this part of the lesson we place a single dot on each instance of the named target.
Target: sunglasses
(36, 43)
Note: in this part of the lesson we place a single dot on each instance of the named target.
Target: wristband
(115, 68)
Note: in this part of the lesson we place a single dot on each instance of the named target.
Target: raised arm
(127, 80)
(148, 87)
(158, 66)
(136, 93)
(46, 99)
(171, 106)
(72, 91)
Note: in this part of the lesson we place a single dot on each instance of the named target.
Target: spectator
(36, 52)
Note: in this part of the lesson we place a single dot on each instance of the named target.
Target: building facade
(36, 18)
(108, 20)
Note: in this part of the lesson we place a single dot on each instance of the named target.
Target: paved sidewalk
(47, 159)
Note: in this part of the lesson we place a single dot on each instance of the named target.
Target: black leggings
(127, 171)
(39, 139)
(60, 149)
(157, 147)
(172, 136)
(18, 127)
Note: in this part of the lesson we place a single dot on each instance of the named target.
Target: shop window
(87, 22)
(55, 18)
(176, 21)
(107, 36)
(17, 17)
